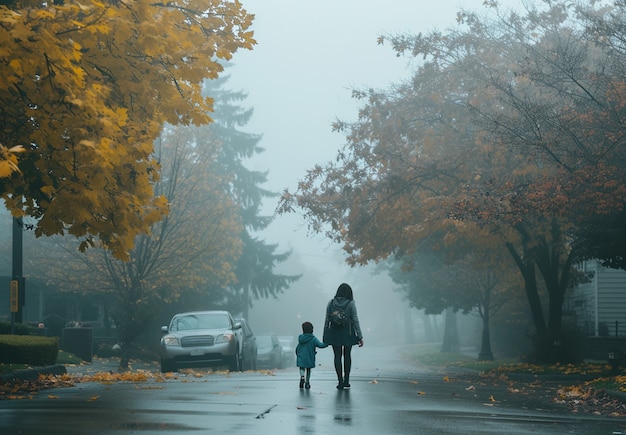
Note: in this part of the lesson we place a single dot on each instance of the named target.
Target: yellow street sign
(14, 296)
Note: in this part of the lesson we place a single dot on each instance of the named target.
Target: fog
(299, 79)
(306, 301)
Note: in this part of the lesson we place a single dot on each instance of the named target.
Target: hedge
(28, 349)
(18, 328)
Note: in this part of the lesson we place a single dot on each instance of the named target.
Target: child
(305, 352)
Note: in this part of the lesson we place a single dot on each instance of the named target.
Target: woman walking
(342, 331)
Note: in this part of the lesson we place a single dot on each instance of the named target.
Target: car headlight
(171, 340)
(224, 338)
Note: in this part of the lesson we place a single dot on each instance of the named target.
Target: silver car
(289, 351)
(201, 339)
(269, 353)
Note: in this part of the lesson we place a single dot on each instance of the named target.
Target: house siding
(581, 301)
(612, 300)
(600, 305)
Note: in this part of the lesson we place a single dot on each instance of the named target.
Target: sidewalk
(97, 365)
(31, 374)
(110, 365)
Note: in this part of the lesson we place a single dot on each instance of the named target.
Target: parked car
(269, 351)
(249, 346)
(289, 350)
(201, 339)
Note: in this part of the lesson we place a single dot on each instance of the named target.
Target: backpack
(338, 316)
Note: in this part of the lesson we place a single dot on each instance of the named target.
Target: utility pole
(17, 279)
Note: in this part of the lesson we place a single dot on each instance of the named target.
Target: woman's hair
(345, 291)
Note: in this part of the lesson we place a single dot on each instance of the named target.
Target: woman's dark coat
(347, 335)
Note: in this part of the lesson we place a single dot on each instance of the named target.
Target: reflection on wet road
(387, 396)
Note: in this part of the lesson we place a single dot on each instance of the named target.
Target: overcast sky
(298, 79)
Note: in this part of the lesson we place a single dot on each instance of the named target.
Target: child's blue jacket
(305, 350)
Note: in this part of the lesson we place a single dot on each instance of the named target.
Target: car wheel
(253, 362)
(244, 363)
(168, 365)
(234, 362)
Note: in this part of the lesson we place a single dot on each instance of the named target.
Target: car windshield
(200, 321)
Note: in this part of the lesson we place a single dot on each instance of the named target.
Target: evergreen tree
(255, 269)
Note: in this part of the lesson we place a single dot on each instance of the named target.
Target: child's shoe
(302, 382)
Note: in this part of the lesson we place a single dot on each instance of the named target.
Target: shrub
(33, 350)
(18, 328)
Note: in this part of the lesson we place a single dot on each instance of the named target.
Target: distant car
(249, 346)
(269, 351)
(289, 350)
(201, 339)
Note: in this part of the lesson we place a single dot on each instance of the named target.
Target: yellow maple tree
(85, 89)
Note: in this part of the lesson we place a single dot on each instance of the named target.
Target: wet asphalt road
(387, 396)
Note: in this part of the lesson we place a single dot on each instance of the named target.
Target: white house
(599, 306)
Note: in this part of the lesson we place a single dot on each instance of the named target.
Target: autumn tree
(475, 278)
(428, 284)
(603, 236)
(503, 127)
(508, 169)
(560, 92)
(491, 281)
(85, 90)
